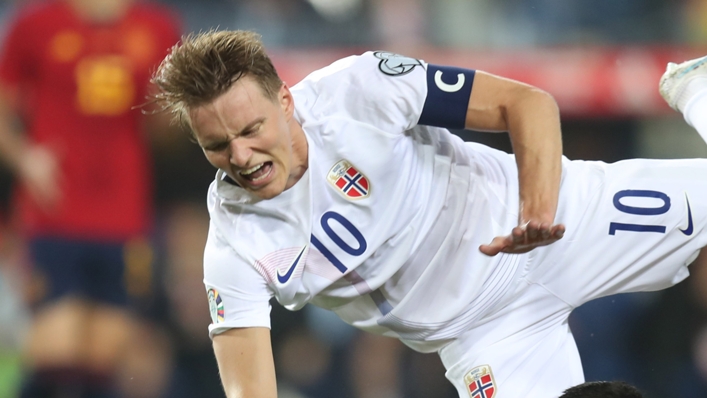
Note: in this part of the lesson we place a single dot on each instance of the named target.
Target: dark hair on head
(602, 389)
(205, 65)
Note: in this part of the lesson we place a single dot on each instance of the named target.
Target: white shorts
(632, 226)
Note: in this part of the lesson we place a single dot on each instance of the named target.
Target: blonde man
(348, 192)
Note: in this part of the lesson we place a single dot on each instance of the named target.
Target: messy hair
(603, 389)
(205, 65)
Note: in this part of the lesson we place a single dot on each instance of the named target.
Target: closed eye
(252, 128)
(216, 147)
(251, 131)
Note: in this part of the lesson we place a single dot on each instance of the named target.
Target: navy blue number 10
(348, 226)
(641, 211)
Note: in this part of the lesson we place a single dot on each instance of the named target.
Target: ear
(287, 102)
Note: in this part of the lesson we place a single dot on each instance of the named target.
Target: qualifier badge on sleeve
(215, 306)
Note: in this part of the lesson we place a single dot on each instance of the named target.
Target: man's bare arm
(245, 362)
(35, 166)
(532, 119)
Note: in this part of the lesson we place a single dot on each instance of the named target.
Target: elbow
(539, 97)
(532, 102)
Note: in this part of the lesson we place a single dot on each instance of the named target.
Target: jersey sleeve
(392, 92)
(238, 295)
(448, 93)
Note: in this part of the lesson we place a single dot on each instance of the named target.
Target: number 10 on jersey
(334, 237)
(640, 211)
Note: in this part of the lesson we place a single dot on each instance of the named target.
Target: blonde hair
(205, 65)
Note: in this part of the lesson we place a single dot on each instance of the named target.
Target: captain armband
(448, 92)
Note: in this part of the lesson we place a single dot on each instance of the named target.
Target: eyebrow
(249, 126)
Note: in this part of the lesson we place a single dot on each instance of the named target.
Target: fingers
(39, 172)
(524, 238)
(529, 232)
(497, 245)
(534, 231)
(46, 196)
(558, 231)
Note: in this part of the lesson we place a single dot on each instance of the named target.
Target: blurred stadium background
(601, 59)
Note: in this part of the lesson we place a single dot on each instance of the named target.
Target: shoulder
(370, 65)
(157, 14)
(36, 12)
(157, 25)
(30, 23)
(376, 87)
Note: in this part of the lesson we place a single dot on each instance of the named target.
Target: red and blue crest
(480, 382)
(349, 181)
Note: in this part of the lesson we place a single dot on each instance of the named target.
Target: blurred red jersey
(78, 82)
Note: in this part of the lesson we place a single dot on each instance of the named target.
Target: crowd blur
(657, 341)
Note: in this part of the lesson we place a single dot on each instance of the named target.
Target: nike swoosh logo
(688, 231)
(286, 277)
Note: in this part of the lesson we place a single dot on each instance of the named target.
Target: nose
(240, 154)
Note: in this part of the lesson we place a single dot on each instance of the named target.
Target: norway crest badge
(348, 180)
(480, 382)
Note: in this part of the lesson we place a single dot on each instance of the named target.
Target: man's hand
(38, 170)
(524, 238)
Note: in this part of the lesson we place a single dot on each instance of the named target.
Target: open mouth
(257, 172)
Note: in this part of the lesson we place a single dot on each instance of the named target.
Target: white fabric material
(696, 111)
(695, 84)
(403, 261)
(433, 200)
(526, 340)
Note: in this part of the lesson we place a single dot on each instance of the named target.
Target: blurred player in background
(348, 192)
(70, 72)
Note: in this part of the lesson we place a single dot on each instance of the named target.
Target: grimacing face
(252, 138)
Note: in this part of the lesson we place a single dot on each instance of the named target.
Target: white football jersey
(385, 225)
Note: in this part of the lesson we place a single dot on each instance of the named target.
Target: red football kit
(78, 83)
